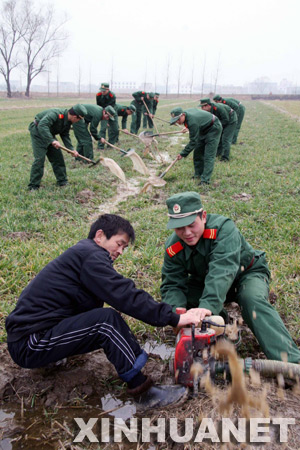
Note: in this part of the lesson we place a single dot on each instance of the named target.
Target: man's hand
(184, 130)
(102, 141)
(75, 153)
(125, 131)
(178, 157)
(56, 144)
(194, 315)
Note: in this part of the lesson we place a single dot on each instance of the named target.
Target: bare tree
(203, 75)
(192, 76)
(79, 78)
(43, 39)
(12, 28)
(145, 79)
(179, 75)
(168, 67)
(217, 73)
(112, 73)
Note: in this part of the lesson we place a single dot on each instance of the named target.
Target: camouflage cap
(217, 98)
(80, 110)
(151, 94)
(157, 94)
(183, 209)
(131, 108)
(205, 101)
(104, 87)
(110, 111)
(175, 113)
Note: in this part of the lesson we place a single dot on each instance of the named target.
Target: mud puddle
(174, 140)
(162, 350)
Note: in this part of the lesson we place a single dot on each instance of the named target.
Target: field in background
(259, 190)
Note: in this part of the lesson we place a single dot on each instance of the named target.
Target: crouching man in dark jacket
(61, 312)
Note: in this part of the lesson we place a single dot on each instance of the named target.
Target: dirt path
(282, 110)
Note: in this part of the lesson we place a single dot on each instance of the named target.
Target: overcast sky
(244, 39)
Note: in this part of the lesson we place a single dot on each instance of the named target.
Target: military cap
(175, 113)
(110, 111)
(151, 94)
(131, 108)
(80, 110)
(104, 86)
(217, 98)
(157, 94)
(183, 209)
(205, 101)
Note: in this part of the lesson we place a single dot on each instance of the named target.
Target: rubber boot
(161, 396)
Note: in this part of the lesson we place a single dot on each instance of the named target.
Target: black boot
(159, 396)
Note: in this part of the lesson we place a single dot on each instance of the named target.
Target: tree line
(30, 37)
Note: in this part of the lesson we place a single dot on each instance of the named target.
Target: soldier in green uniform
(146, 118)
(239, 109)
(43, 130)
(138, 96)
(104, 98)
(85, 129)
(205, 132)
(228, 119)
(124, 111)
(155, 102)
(208, 263)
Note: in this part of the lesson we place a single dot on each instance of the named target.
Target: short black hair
(111, 224)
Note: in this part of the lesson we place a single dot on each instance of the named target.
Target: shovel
(146, 142)
(149, 134)
(150, 115)
(138, 163)
(157, 181)
(106, 162)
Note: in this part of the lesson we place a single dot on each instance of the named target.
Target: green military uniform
(85, 129)
(228, 119)
(205, 132)
(43, 129)
(104, 100)
(239, 109)
(122, 111)
(150, 104)
(155, 102)
(220, 268)
(136, 117)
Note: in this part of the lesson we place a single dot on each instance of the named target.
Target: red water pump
(193, 345)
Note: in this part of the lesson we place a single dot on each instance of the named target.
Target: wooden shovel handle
(131, 134)
(117, 148)
(168, 168)
(149, 115)
(72, 153)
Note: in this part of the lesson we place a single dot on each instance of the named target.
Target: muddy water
(40, 428)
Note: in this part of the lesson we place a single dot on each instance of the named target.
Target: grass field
(265, 164)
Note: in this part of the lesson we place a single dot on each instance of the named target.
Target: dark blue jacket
(81, 279)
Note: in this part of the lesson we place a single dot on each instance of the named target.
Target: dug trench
(38, 407)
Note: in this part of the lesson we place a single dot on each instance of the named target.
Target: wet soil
(39, 407)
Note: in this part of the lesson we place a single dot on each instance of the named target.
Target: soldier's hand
(75, 153)
(102, 141)
(178, 157)
(126, 131)
(56, 144)
(184, 130)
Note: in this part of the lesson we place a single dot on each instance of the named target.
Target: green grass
(50, 220)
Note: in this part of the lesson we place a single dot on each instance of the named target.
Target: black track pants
(83, 333)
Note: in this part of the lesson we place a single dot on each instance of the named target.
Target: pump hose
(269, 368)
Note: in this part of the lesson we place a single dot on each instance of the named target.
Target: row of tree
(30, 37)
